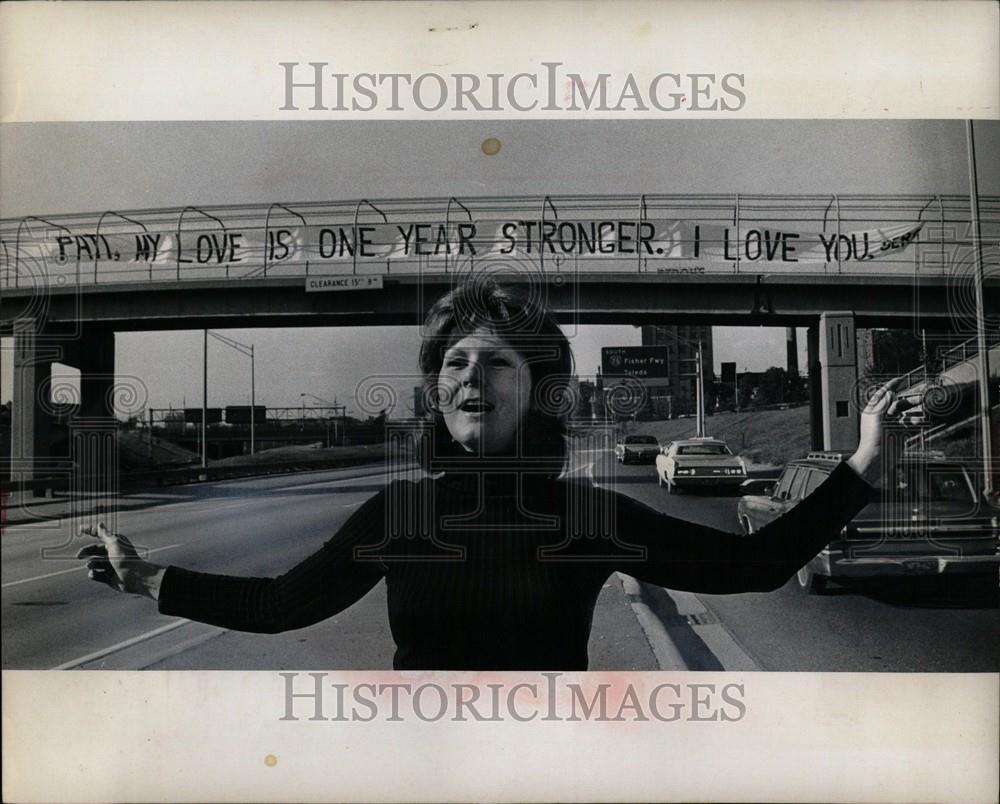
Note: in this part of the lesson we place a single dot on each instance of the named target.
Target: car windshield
(703, 449)
(932, 483)
(640, 440)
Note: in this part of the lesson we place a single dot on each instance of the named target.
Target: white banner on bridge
(251, 249)
(770, 244)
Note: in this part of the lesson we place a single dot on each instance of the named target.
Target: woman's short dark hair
(527, 325)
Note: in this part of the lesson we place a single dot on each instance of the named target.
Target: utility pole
(253, 400)
(242, 348)
(335, 406)
(204, 402)
(699, 375)
(983, 362)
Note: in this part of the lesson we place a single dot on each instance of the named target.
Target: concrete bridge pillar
(94, 430)
(94, 356)
(814, 367)
(31, 410)
(838, 356)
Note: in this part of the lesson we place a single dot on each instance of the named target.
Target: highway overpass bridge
(830, 263)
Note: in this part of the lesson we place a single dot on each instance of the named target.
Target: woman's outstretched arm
(685, 556)
(696, 558)
(321, 585)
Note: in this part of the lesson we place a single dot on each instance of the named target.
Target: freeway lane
(249, 527)
(54, 617)
(919, 624)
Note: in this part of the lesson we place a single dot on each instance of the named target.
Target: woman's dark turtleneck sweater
(495, 570)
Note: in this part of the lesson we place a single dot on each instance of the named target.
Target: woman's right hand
(115, 562)
(867, 459)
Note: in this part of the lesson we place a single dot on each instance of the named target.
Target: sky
(48, 168)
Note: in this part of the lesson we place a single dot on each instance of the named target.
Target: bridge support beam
(838, 356)
(31, 410)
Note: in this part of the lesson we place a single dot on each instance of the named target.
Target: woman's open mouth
(475, 406)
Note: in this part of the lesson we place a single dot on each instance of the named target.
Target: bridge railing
(648, 233)
(966, 350)
(938, 373)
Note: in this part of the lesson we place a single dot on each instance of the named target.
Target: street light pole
(253, 400)
(983, 363)
(242, 348)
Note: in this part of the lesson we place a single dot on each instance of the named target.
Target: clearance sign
(650, 241)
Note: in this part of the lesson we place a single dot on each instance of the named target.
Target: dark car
(929, 519)
(637, 449)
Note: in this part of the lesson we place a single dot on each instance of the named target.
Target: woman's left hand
(867, 460)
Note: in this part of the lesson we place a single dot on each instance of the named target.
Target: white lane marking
(352, 505)
(97, 654)
(155, 658)
(585, 470)
(53, 524)
(74, 569)
(314, 483)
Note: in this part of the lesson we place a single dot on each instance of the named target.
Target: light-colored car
(637, 449)
(928, 520)
(699, 462)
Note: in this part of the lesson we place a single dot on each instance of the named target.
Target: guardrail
(945, 360)
(50, 484)
(654, 233)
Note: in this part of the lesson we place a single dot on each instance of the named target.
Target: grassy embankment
(772, 436)
(766, 436)
(134, 453)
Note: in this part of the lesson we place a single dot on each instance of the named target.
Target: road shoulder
(684, 632)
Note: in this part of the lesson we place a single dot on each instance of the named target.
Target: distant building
(678, 394)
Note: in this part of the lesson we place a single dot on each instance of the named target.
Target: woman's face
(484, 392)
